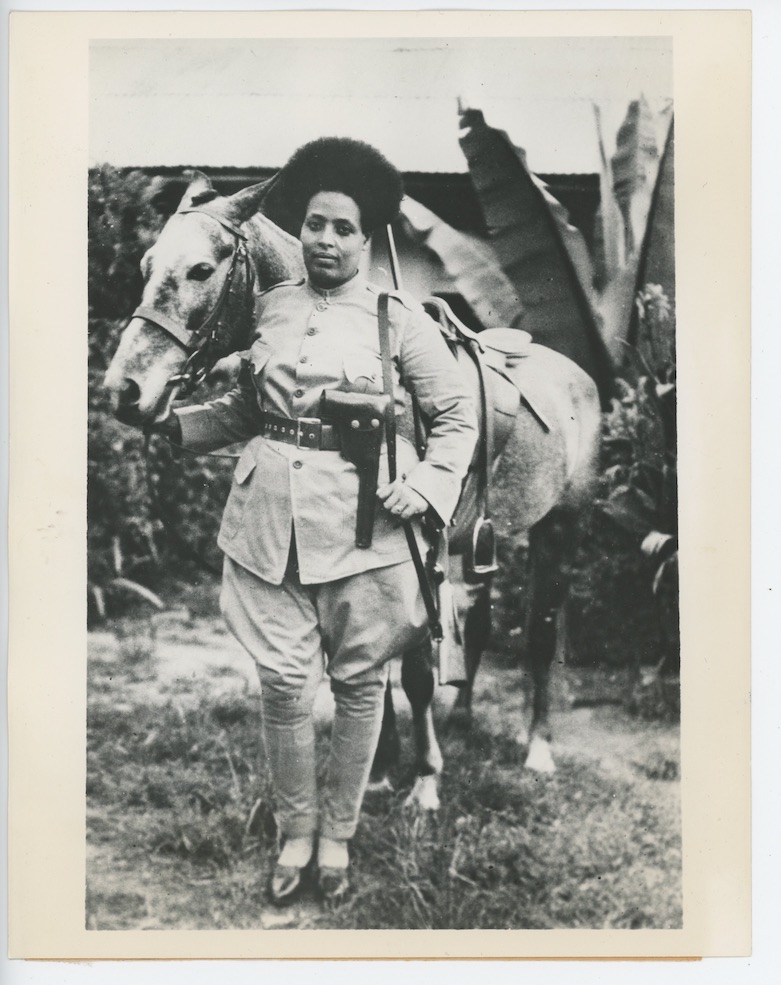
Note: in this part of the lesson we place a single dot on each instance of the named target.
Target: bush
(126, 539)
(626, 577)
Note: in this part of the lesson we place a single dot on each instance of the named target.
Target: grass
(170, 787)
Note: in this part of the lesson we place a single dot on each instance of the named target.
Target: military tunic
(310, 340)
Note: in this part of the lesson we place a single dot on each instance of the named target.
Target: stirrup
(480, 559)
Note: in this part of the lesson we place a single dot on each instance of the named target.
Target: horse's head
(198, 285)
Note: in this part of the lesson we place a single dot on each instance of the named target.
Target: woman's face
(332, 239)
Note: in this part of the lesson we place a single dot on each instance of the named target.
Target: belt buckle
(308, 432)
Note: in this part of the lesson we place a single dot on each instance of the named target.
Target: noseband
(207, 343)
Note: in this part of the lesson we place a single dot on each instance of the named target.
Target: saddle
(491, 353)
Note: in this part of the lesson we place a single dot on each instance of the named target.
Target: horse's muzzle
(125, 403)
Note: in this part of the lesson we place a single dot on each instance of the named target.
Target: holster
(359, 419)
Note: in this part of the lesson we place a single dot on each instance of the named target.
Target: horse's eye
(201, 271)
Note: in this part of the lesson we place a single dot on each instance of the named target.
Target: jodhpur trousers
(349, 628)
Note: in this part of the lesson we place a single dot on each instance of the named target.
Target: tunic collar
(356, 283)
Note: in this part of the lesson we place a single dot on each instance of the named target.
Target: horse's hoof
(424, 795)
(382, 785)
(540, 758)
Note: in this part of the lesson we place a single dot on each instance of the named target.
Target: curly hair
(340, 164)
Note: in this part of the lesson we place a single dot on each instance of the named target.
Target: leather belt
(303, 432)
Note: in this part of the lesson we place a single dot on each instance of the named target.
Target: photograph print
(382, 491)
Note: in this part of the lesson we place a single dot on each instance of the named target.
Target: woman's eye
(201, 271)
(344, 230)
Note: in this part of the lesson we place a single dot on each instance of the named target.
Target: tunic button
(321, 305)
(297, 464)
(303, 359)
(312, 331)
(299, 393)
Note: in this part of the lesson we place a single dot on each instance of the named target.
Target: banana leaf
(470, 263)
(656, 263)
(543, 256)
(609, 240)
(635, 165)
(638, 179)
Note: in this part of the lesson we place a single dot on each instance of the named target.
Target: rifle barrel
(394, 258)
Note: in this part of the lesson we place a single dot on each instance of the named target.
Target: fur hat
(340, 164)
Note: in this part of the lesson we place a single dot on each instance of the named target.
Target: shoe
(286, 883)
(287, 879)
(334, 883)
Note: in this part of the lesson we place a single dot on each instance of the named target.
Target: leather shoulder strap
(390, 436)
(387, 382)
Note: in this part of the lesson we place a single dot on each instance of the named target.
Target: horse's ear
(244, 204)
(199, 191)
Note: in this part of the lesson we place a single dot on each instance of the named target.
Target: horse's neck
(275, 254)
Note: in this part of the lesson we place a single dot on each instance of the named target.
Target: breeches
(349, 628)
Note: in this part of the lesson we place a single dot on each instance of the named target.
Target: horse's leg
(417, 679)
(477, 633)
(551, 542)
(388, 747)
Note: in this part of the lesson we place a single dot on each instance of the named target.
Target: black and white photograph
(382, 493)
(378, 545)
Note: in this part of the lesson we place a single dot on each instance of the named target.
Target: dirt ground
(176, 661)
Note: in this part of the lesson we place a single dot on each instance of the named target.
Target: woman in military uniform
(298, 592)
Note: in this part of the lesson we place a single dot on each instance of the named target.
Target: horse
(200, 276)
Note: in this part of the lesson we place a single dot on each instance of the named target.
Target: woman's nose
(326, 235)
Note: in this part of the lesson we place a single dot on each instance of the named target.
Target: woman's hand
(169, 427)
(401, 501)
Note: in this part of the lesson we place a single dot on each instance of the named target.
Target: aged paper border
(48, 123)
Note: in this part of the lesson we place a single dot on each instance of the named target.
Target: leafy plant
(640, 477)
(637, 212)
(591, 309)
(129, 554)
(640, 441)
(470, 262)
(543, 256)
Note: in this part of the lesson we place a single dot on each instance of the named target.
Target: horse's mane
(276, 252)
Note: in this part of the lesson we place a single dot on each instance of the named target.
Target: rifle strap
(390, 437)
(487, 435)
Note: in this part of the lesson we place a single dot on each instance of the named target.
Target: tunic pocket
(233, 515)
(259, 355)
(363, 373)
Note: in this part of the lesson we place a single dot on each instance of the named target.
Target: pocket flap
(244, 467)
(258, 356)
(364, 367)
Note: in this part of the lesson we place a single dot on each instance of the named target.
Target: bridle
(231, 314)
(207, 343)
